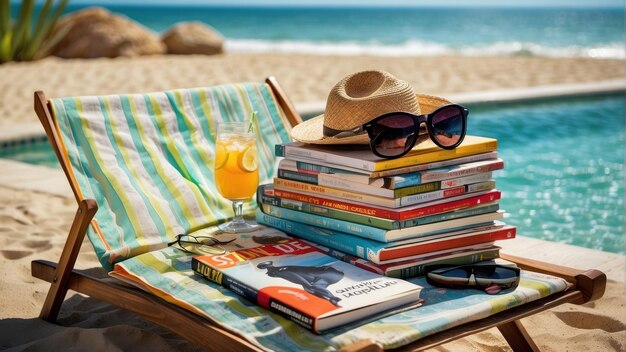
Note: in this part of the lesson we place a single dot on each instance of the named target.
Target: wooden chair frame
(587, 286)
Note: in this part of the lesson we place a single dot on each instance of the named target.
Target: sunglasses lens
(393, 134)
(496, 277)
(448, 125)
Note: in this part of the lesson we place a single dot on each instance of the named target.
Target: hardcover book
(295, 279)
(410, 212)
(265, 196)
(361, 157)
(306, 188)
(381, 252)
(382, 189)
(381, 235)
(402, 177)
(416, 267)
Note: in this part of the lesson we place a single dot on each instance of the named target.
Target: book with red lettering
(403, 213)
(297, 280)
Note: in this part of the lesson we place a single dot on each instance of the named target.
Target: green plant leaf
(5, 17)
(38, 34)
(21, 29)
(5, 47)
(49, 43)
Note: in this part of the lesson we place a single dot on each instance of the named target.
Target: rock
(193, 38)
(96, 32)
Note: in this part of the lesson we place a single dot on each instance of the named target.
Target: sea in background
(399, 31)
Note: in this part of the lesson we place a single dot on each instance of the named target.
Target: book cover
(406, 269)
(410, 212)
(266, 196)
(373, 177)
(361, 157)
(295, 279)
(381, 235)
(335, 193)
(382, 253)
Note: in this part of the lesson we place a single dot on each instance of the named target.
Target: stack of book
(390, 216)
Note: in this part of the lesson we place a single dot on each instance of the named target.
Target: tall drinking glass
(236, 171)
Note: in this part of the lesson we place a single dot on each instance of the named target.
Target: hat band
(331, 132)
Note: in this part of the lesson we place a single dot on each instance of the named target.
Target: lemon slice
(247, 159)
(221, 156)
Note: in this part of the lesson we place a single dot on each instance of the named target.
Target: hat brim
(311, 132)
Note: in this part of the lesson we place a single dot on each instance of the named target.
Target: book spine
(442, 154)
(408, 214)
(297, 176)
(435, 165)
(251, 294)
(328, 223)
(314, 156)
(300, 165)
(443, 184)
(508, 232)
(401, 270)
(450, 216)
(434, 175)
(224, 280)
(338, 204)
(420, 269)
(333, 239)
(283, 184)
(357, 218)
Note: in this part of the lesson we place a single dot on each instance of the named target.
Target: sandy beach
(33, 225)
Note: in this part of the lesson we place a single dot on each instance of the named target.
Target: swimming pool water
(563, 179)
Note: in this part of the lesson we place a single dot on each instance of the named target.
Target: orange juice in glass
(236, 169)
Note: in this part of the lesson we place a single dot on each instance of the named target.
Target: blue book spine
(320, 168)
(351, 228)
(354, 245)
(407, 180)
(279, 150)
(297, 176)
(451, 215)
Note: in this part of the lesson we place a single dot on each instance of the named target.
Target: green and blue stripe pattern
(147, 159)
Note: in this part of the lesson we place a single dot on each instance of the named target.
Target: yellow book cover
(361, 157)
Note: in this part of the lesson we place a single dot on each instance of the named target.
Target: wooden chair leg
(516, 335)
(86, 210)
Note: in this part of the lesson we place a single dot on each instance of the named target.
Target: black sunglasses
(489, 277)
(394, 134)
(200, 244)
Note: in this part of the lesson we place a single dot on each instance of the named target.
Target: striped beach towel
(147, 159)
(167, 273)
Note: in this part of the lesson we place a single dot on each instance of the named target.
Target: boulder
(96, 32)
(193, 38)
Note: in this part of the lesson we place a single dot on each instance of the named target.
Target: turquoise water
(597, 33)
(563, 179)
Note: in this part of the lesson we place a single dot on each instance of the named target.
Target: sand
(33, 225)
(305, 78)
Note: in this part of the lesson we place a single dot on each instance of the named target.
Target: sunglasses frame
(211, 242)
(434, 276)
(417, 121)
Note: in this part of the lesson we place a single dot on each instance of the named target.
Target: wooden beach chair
(585, 286)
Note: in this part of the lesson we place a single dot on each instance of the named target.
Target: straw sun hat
(359, 98)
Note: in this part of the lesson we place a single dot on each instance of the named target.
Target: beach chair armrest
(592, 283)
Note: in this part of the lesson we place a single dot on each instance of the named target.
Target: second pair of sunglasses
(492, 278)
(394, 134)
